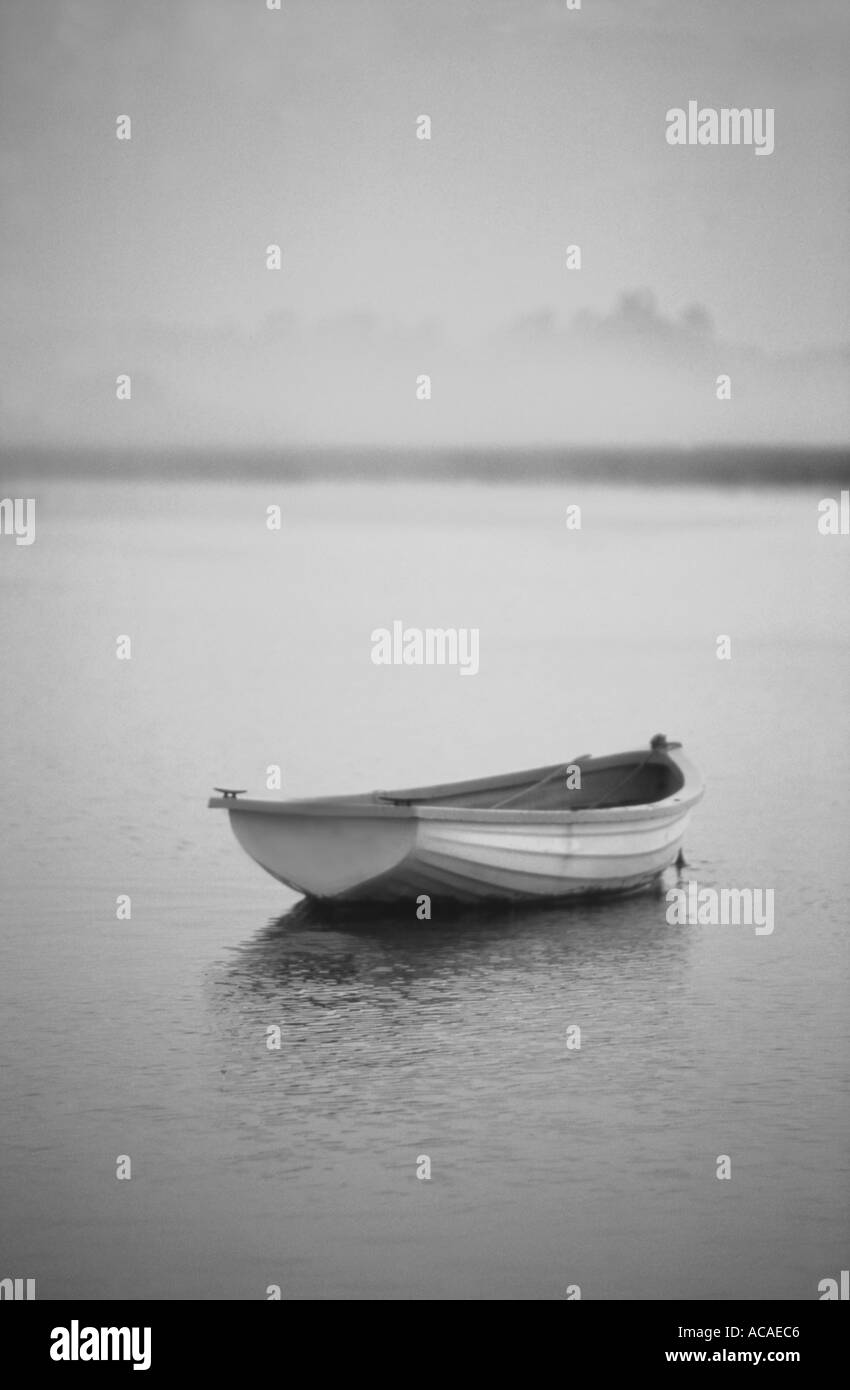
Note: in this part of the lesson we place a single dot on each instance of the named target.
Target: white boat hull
(376, 849)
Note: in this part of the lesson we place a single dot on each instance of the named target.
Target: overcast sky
(403, 256)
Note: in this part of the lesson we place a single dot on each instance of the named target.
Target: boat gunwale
(322, 808)
(369, 805)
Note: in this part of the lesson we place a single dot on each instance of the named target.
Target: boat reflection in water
(508, 1045)
(317, 959)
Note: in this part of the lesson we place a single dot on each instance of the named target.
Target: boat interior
(632, 779)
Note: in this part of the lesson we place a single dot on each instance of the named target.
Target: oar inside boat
(527, 793)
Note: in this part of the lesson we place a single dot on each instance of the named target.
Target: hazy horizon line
(726, 464)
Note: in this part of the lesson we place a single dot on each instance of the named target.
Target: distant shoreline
(719, 465)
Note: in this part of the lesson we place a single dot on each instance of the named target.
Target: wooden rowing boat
(541, 834)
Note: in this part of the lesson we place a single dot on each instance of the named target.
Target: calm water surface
(401, 1038)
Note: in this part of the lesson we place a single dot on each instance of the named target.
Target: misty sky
(402, 256)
